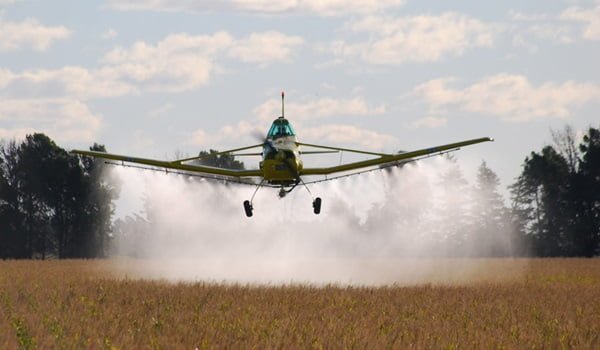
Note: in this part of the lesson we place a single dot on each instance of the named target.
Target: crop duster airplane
(281, 166)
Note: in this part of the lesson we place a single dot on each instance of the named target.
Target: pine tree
(12, 241)
(491, 228)
(101, 190)
(453, 210)
(48, 202)
(541, 199)
(213, 158)
(586, 195)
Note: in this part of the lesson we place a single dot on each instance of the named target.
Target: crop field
(522, 303)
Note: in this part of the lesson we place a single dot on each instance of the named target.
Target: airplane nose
(280, 155)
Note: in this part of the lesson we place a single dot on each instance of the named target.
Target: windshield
(281, 127)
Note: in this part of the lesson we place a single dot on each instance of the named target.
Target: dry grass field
(548, 303)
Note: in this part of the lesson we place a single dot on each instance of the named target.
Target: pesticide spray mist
(374, 229)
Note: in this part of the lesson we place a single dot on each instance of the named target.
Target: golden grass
(549, 303)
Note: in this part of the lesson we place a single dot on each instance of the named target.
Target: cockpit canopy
(281, 127)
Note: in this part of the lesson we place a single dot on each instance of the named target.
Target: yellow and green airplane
(281, 166)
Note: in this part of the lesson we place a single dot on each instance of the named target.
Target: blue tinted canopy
(280, 128)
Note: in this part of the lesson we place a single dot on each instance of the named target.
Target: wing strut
(179, 161)
(381, 167)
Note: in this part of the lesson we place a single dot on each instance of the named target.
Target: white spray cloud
(372, 230)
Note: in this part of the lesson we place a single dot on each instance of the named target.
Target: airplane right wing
(386, 158)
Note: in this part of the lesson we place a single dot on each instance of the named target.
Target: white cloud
(553, 32)
(300, 114)
(264, 48)
(141, 141)
(199, 137)
(348, 135)
(510, 97)
(15, 133)
(109, 34)
(590, 17)
(182, 61)
(560, 28)
(430, 122)
(29, 34)
(245, 133)
(177, 63)
(318, 108)
(242, 133)
(261, 6)
(528, 28)
(426, 38)
(75, 82)
(50, 100)
(527, 17)
(66, 120)
(318, 7)
(162, 110)
(312, 7)
(8, 2)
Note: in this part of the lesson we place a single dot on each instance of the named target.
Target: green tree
(586, 196)
(51, 203)
(541, 200)
(12, 242)
(453, 210)
(213, 158)
(57, 183)
(565, 145)
(101, 189)
(36, 154)
(491, 230)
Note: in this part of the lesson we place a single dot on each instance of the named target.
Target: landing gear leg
(316, 204)
(248, 208)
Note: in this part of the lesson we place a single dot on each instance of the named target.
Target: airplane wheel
(317, 205)
(248, 208)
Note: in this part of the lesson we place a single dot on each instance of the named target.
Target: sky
(155, 78)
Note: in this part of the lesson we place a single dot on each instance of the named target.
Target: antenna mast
(282, 109)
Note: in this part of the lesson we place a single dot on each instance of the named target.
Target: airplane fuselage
(281, 164)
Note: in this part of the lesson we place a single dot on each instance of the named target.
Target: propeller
(260, 137)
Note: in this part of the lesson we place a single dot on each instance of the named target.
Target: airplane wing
(177, 164)
(384, 159)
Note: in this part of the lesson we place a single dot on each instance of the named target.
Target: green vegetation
(214, 159)
(52, 204)
(556, 199)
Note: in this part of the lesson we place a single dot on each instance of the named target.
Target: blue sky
(155, 77)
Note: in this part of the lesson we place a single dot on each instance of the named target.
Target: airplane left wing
(388, 158)
(176, 165)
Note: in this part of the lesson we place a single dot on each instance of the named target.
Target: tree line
(556, 198)
(445, 216)
(53, 204)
